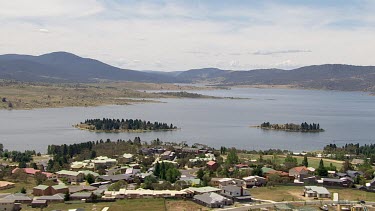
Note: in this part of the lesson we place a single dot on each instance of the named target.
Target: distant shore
(91, 129)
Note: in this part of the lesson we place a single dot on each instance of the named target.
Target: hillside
(67, 67)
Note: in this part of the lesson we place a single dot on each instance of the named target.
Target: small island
(291, 127)
(123, 125)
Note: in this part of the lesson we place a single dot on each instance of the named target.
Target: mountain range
(64, 67)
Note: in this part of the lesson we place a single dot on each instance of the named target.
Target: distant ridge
(68, 67)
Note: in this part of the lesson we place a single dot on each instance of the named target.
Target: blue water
(346, 117)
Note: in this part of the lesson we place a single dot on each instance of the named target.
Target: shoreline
(286, 130)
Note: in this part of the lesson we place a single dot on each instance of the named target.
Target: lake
(346, 117)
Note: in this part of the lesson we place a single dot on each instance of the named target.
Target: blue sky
(179, 35)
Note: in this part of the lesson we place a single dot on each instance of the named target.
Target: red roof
(300, 168)
(211, 163)
(32, 171)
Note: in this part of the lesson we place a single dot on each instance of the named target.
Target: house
(115, 178)
(19, 198)
(44, 190)
(309, 179)
(241, 167)
(212, 200)
(145, 193)
(212, 165)
(87, 172)
(36, 203)
(81, 188)
(201, 190)
(354, 174)
(57, 198)
(32, 171)
(215, 181)
(168, 155)
(9, 204)
(341, 182)
(104, 161)
(316, 192)
(230, 181)
(235, 192)
(70, 176)
(296, 172)
(6, 185)
(252, 181)
(81, 196)
(126, 158)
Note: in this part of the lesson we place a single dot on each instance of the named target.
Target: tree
(305, 161)
(148, 183)
(232, 157)
(23, 190)
(67, 196)
(321, 170)
(90, 178)
(200, 174)
(157, 169)
(346, 166)
(258, 171)
(40, 178)
(93, 154)
(22, 164)
(290, 162)
(206, 179)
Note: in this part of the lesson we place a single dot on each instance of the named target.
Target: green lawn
(294, 193)
(129, 204)
(313, 161)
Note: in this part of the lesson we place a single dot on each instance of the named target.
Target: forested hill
(67, 67)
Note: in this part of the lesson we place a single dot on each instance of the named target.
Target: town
(106, 174)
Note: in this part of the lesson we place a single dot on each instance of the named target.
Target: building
(104, 162)
(252, 181)
(6, 185)
(346, 182)
(9, 204)
(19, 198)
(44, 190)
(38, 203)
(71, 176)
(32, 171)
(212, 200)
(145, 193)
(81, 196)
(212, 165)
(57, 198)
(233, 191)
(117, 177)
(201, 190)
(296, 172)
(316, 192)
(126, 158)
(230, 181)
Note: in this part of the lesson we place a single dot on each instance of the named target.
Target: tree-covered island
(291, 127)
(123, 125)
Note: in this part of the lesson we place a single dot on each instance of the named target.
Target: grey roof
(211, 198)
(82, 194)
(115, 177)
(332, 180)
(80, 188)
(54, 197)
(18, 197)
(317, 189)
(231, 188)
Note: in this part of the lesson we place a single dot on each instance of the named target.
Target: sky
(180, 35)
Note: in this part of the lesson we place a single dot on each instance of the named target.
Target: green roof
(59, 186)
(266, 170)
(41, 187)
(70, 173)
(87, 172)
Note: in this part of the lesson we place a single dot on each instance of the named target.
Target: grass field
(313, 161)
(130, 205)
(294, 193)
(41, 95)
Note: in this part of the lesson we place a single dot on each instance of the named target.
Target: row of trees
(167, 171)
(128, 124)
(304, 127)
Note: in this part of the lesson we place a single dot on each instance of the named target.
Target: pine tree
(305, 161)
(157, 169)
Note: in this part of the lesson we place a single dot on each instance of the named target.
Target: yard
(313, 161)
(130, 204)
(294, 193)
